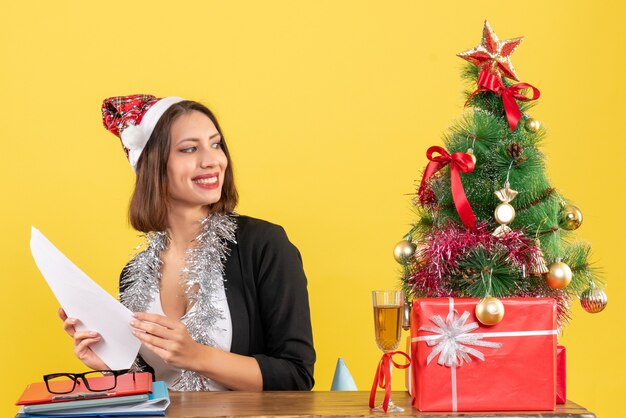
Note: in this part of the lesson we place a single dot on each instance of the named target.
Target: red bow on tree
(383, 376)
(459, 162)
(488, 81)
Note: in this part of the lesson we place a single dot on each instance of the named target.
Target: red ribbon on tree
(459, 162)
(383, 376)
(488, 81)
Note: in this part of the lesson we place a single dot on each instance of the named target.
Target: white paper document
(84, 299)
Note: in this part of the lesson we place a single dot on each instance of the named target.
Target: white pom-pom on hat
(134, 137)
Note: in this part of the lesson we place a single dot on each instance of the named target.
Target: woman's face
(196, 164)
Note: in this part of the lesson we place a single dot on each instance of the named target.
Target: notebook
(85, 403)
(37, 393)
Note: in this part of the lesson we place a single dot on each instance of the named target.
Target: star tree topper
(493, 54)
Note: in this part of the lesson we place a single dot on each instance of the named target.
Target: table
(319, 404)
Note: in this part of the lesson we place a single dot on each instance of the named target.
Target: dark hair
(149, 202)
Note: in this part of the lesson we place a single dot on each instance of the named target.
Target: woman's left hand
(167, 338)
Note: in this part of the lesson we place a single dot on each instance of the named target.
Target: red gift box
(408, 372)
(560, 375)
(517, 371)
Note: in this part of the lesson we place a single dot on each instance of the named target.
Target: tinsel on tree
(489, 221)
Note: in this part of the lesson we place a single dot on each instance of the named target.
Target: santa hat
(133, 118)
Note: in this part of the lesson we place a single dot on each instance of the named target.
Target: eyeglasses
(94, 381)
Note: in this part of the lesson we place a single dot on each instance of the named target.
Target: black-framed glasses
(93, 381)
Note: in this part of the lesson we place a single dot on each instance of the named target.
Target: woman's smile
(207, 181)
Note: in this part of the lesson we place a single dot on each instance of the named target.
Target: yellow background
(328, 108)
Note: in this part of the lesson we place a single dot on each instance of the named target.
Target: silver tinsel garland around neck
(201, 279)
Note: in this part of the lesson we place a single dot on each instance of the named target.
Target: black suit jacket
(268, 301)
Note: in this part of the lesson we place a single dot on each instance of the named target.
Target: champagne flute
(388, 306)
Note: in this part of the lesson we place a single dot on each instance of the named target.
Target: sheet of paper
(84, 299)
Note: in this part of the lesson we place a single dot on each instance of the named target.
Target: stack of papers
(153, 404)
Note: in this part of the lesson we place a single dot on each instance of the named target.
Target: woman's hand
(168, 339)
(83, 340)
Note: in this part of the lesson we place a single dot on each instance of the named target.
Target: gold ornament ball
(559, 275)
(489, 311)
(571, 217)
(532, 125)
(403, 251)
(593, 300)
(470, 152)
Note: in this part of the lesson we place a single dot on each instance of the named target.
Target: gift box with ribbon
(461, 365)
(408, 372)
(560, 375)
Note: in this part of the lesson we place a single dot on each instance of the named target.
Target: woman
(220, 299)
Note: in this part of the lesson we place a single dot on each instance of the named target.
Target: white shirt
(222, 334)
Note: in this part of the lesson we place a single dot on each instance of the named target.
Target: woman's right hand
(82, 342)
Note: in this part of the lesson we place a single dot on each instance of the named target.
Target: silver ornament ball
(593, 300)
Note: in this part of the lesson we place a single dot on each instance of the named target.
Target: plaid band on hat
(121, 111)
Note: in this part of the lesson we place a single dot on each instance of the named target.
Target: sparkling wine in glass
(388, 306)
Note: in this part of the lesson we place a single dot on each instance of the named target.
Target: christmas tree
(490, 224)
